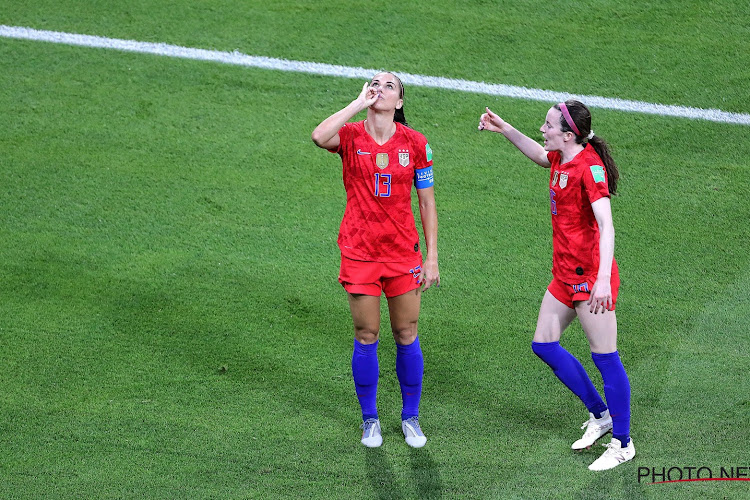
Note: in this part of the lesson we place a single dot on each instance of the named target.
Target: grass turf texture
(171, 325)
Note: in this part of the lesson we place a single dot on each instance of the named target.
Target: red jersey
(574, 186)
(378, 223)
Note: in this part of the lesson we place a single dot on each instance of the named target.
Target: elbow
(315, 136)
(318, 137)
(426, 205)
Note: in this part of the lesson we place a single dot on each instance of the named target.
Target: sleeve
(595, 183)
(345, 137)
(552, 156)
(423, 176)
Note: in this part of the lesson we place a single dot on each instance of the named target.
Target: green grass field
(170, 321)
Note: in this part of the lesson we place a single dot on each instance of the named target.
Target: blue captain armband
(423, 178)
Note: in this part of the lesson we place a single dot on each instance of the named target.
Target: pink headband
(567, 117)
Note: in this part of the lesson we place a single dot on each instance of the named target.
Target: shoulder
(411, 134)
(350, 131)
(593, 173)
(590, 156)
(355, 127)
(418, 141)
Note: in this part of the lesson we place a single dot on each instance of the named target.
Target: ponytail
(602, 149)
(399, 117)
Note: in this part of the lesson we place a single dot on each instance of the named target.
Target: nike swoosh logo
(360, 152)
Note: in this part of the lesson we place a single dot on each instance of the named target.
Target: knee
(406, 334)
(366, 335)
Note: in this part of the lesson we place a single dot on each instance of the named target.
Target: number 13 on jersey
(382, 185)
(552, 202)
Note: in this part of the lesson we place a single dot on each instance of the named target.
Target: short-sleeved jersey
(378, 223)
(573, 187)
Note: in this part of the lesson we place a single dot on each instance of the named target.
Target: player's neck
(570, 152)
(381, 127)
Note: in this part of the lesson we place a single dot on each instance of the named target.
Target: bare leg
(554, 318)
(600, 329)
(404, 313)
(366, 317)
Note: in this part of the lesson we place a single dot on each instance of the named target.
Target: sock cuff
(610, 356)
(409, 348)
(544, 346)
(366, 349)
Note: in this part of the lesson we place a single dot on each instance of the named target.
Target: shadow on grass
(424, 480)
(380, 474)
(425, 474)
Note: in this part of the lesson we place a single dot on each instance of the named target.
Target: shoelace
(368, 424)
(611, 447)
(586, 423)
(414, 422)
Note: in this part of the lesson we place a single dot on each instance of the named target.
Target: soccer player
(380, 252)
(585, 278)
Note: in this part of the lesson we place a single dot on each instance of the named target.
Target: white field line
(239, 59)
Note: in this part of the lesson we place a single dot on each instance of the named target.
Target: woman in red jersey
(585, 278)
(380, 253)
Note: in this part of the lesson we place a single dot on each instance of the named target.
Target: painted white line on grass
(239, 59)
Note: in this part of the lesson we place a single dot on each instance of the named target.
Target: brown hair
(581, 117)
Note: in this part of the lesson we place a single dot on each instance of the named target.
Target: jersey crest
(403, 157)
(381, 160)
(563, 180)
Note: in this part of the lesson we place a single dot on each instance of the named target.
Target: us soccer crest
(403, 157)
(563, 180)
(381, 160)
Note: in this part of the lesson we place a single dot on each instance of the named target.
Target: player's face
(554, 137)
(388, 89)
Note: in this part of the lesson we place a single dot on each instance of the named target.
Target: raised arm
(532, 149)
(326, 135)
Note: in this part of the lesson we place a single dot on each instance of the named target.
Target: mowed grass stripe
(240, 59)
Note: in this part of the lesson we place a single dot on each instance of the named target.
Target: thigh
(554, 318)
(365, 316)
(404, 314)
(600, 329)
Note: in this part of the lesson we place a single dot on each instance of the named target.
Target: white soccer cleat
(413, 432)
(614, 456)
(371, 435)
(595, 428)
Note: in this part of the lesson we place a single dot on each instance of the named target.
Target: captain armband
(423, 178)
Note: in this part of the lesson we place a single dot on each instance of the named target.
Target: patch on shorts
(581, 287)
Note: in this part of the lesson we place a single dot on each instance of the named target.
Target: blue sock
(410, 371)
(366, 371)
(617, 392)
(571, 373)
